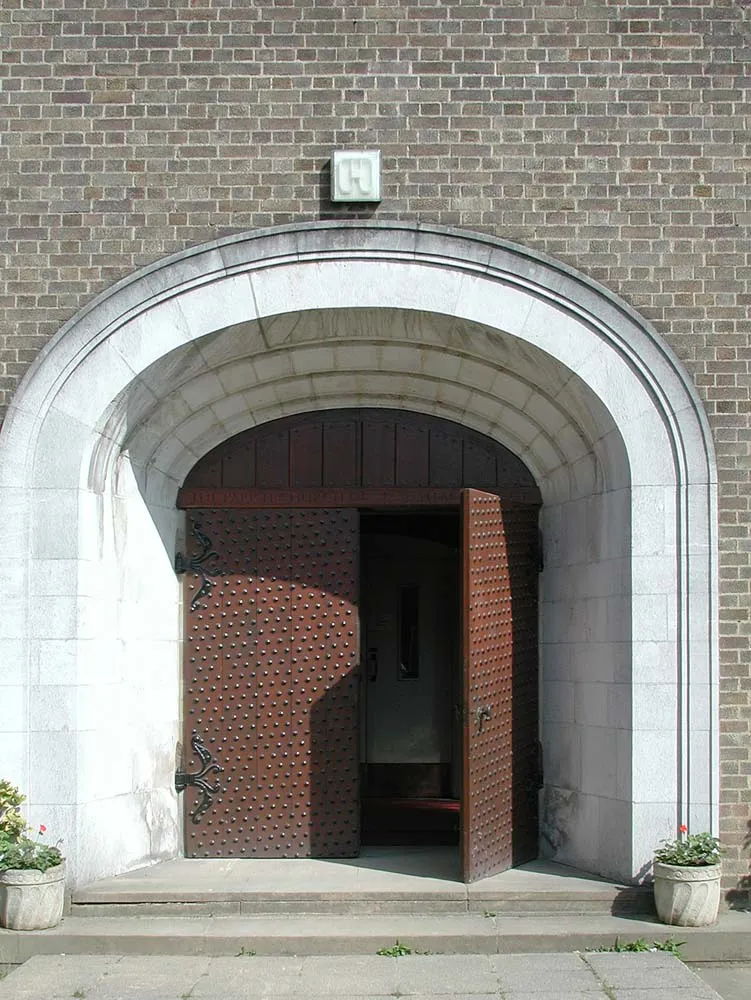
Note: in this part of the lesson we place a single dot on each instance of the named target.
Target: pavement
(577, 976)
(732, 980)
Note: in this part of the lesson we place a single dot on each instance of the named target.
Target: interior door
(270, 761)
(501, 767)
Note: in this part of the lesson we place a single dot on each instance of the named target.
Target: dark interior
(410, 803)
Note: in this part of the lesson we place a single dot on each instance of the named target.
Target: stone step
(121, 902)
(380, 881)
(468, 933)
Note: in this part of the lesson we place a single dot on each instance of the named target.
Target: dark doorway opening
(410, 729)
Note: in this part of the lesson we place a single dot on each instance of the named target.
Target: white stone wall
(103, 692)
(586, 710)
(129, 700)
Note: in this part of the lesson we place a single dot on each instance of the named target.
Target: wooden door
(500, 712)
(271, 684)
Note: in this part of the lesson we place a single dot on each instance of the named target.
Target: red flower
(42, 828)
(683, 828)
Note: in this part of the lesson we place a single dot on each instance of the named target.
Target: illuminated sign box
(356, 176)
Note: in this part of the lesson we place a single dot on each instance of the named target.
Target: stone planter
(31, 900)
(687, 896)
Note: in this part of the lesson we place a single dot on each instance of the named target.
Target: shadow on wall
(328, 209)
(739, 898)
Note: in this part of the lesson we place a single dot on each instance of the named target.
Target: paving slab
(170, 975)
(455, 973)
(560, 993)
(345, 976)
(637, 973)
(227, 976)
(643, 976)
(57, 975)
(564, 973)
(732, 980)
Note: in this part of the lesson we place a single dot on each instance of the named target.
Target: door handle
(481, 714)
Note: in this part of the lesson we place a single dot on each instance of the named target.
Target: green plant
(244, 953)
(690, 849)
(16, 849)
(25, 853)
(639, 945)
(670, 945)
(489, 913)
(396, 950)
(12, 823)
(79, 994)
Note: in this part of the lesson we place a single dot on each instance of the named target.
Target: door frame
(353, 497)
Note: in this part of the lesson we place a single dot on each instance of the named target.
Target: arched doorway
(163, 367)
(362, 661)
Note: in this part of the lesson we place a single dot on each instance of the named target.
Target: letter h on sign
(356, 176)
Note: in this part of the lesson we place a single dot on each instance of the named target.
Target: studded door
(500, 748)
(271, 684)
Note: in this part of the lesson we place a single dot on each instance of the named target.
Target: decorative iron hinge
(198, 778)
(194, 564)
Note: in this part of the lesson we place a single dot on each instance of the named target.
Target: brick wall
(613, 137)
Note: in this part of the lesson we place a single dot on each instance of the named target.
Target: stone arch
(169, 362)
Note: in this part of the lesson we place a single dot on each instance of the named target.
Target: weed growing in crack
(671, 946)
(396, 950)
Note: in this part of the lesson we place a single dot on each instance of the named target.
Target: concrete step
(606, 900)
(468, 933)
(387, 881)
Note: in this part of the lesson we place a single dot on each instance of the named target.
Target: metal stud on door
(271, 684)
